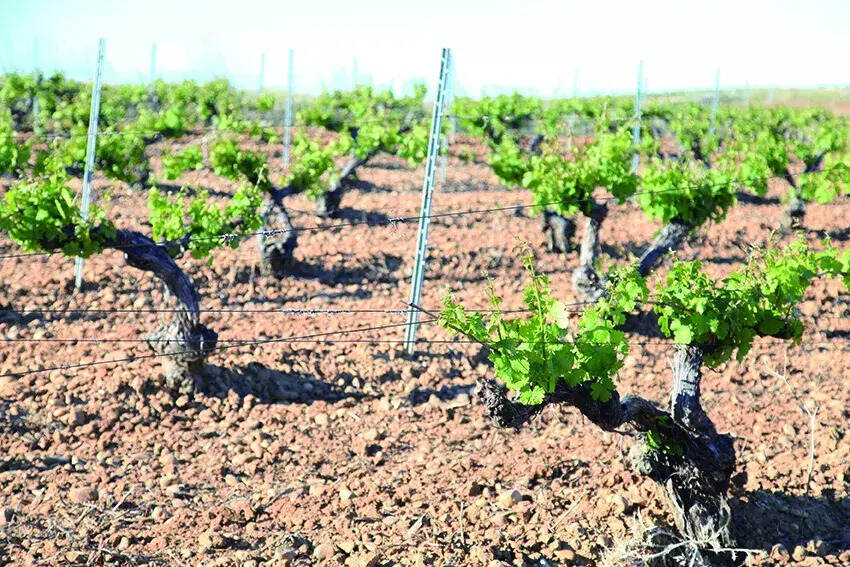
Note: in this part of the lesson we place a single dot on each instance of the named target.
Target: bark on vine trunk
(558, 231)
(695, 482)
(795, 212)
(327, 205)
(276, 250)
(694, 464)
(534, 144)
(670, 238)
(586, 282)
(184, 343)
(792, 218)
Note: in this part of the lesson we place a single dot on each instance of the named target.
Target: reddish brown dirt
(360, 455)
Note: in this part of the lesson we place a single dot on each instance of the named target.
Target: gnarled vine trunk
(277, 249)
(327, 205)
(534, 144)
(792, 218)
(184, 343)
(696, 469)
(558, 231)
(693, 463)
(670, 238)
(586, 281)
(795, 212)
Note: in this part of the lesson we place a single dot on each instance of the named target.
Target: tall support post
(262, 76)
(636, 129)
(447, 140)
(152, 75)
(36, 107)
(153, 64)
(453, 79)
(90, 151)
(714, 102)
(287, 128)
(425, 212)
(575, 83)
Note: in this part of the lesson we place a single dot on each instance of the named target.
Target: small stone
(76, 557)
(509, 498)
(83, 495)
(817, 547)
(77, 417)
(230, 480)
(323, 551)
(347, 546)
(210, 540)
(124, 544)
(371, 435)
(618, 503)
(345, 495)
(799, 553)
(369, 559)
(779, 553)
(182, 401)
(321, 419)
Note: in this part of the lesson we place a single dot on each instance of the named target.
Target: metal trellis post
(714, 101)
(427, 192)
(36, 107)
(636, 130)
(287, 128)
(575, 83)
(153, 63)
(90, 151)
(447, 140)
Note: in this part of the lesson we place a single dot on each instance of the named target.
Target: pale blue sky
(532, 45)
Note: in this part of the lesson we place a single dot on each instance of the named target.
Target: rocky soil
(340, 449)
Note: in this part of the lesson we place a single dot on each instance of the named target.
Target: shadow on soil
(272, 386)
(420, 396)
(376, 270)
(14, 317)
(352, 215)
(764, 518)
(841, 235)
(749, 198)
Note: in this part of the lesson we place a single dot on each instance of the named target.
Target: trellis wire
(394, 221)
